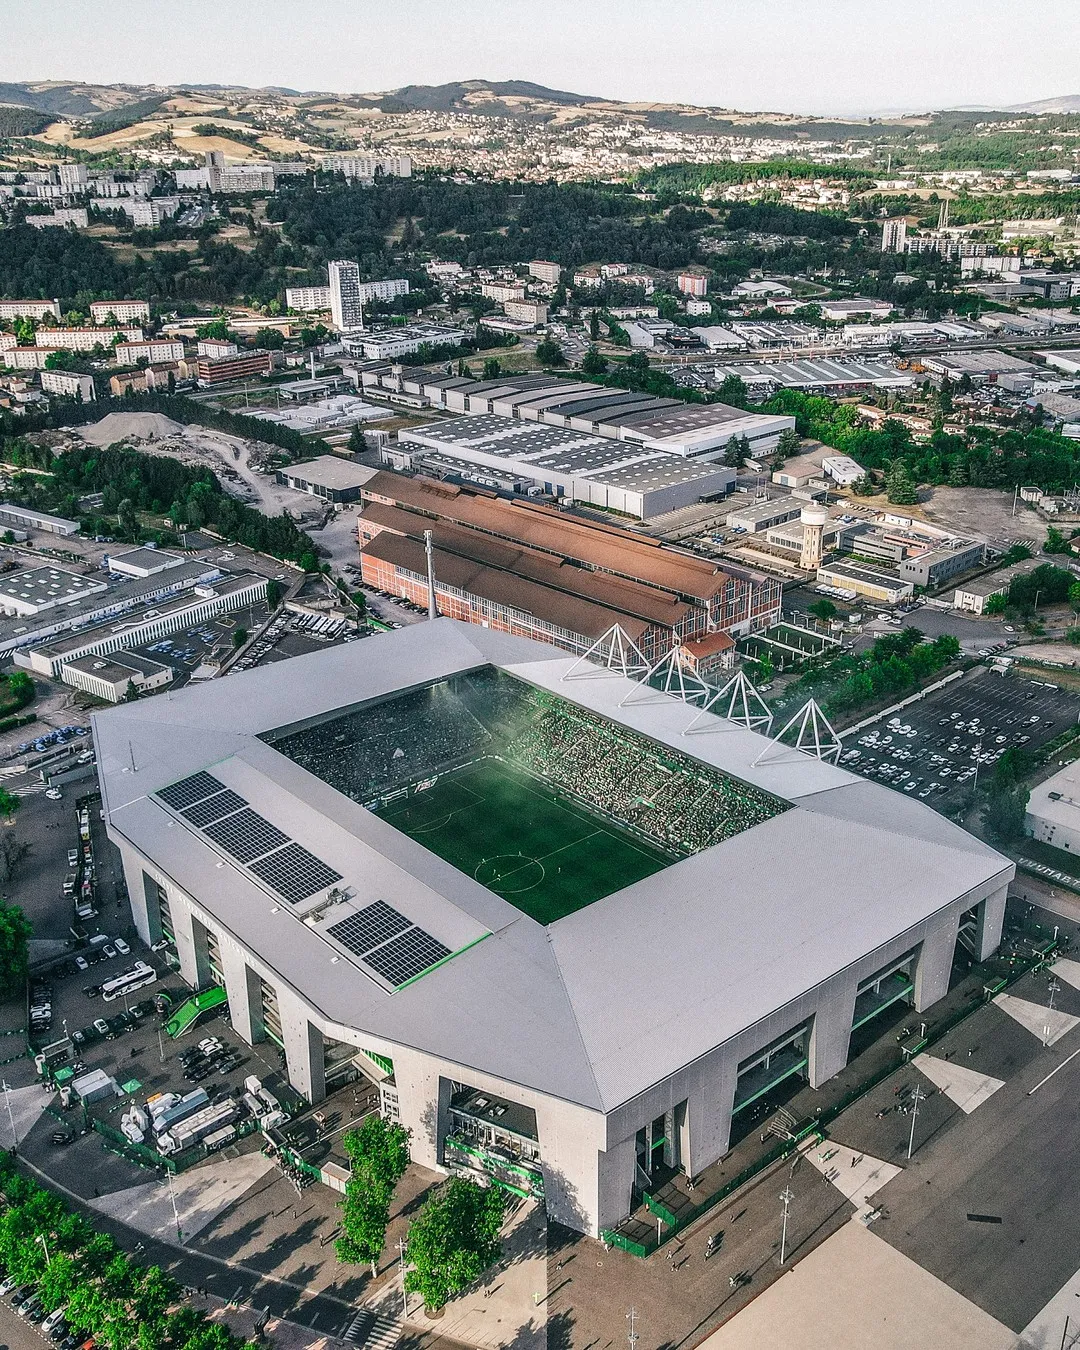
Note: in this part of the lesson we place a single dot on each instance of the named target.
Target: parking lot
(937, 748)
(209, 644)
(295, 635)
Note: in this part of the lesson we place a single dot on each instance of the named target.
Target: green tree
(357, 444)
(270, 339)
(592, 363)
(1055, 541)
(549, 353)
(864, 486)
(823, 609)
(378, 1155)
(9, 803)
(239, 637)
(733, 391)
(594, 325)
(274, 592)
(14, 937)
(736, 452)
(638, 361)
(453, 1240)
(899, 485)
(1015, 553)
(1003, 813)
(787, 444)
(492, 369)
(996, 604)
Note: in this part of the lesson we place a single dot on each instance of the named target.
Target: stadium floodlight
(737, 701)
(670, 675)
(814, 735)
(612, 653)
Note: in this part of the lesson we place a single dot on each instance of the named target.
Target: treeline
(694, 178)
(132, 483)
(73, 1265)
(981, 457)
(23, 121)
(891, 667)
(770, 218)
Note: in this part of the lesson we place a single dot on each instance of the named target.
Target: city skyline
(849, 62)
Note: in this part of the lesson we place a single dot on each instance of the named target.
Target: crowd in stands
(681, 805)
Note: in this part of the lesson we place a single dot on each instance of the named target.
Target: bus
(139, 975)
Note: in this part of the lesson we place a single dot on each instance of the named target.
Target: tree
(14, 936)
(378, 1155)
(453, 1240)
(274, 591)
(733, 391)
(550, 353)
(592, 363)
(1003, 814)
(239, 637)
(864, 486)
(594, 325)
(823, 609)
(9, 803)
(899, 485)
(736, 452)
(787, 444)
(996, 604)
(357, 444)
(492, 369)
(269, 339)
(1055, 541)
(1015, 553)
(638, 361)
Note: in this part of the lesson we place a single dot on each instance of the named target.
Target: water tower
(814, 519)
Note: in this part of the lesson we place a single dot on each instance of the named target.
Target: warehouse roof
(330, 471)
(548, 1007)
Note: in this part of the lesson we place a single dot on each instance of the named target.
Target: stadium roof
(729, 934)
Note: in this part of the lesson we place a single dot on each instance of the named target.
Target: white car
(54, 794)
(121, 946)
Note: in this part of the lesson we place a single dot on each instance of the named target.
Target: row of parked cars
(26, 1301)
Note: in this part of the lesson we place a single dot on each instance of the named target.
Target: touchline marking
(1052, 1072)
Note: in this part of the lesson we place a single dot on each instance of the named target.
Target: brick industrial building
(535, 571)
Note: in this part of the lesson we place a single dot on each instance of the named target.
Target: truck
(210, 1120)
(187, 1106)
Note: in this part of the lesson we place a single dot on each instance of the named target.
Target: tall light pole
(40, 1237)
(404, 1295)
(916, 1099)
(176, 1216)
(632, 1337)
(11, 1118)
(786, 1196)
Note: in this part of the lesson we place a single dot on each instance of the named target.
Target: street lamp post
(40, 1237)
(632, 1337)
(786, 1196)
(11, 1118)
(915, 1100)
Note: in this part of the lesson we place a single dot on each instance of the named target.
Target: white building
(390, 343)
(112, 678)
(1053, 810)
(307, 299)
(29, 309)
(526, 311)
(154, 350)
(760, 289)
(350, 945)
(215, 348)
(85, 339)
(693, 283)
(545, 271)
(842, 469)
(37, 589)
(366, 167)
(119, 311)
(696, 308)
(894, 235)
(387, 288)
(68, 385)
(346, 307)
(502, 291)
(64, 217)
(151, 212)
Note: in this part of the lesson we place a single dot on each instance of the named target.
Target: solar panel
(213, 808)
(372, 925)
(295, 873)
(190, 790)
(246, 835)
(406, 956)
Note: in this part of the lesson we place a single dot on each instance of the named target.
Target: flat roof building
(935, 566)
(330, 477)
(143, 562)
(888, 588)
(111, 678)
(253, 817)
(23, 516)
(40, 588)
(1053, 810)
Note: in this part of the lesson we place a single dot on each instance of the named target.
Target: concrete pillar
(989, 921)
(615, 1178)
(200, 952)
(935, 961)
(708, 1117)
(830, 1034)
(184, 929)
(242, 986)
(142, 892)
(304, 1055)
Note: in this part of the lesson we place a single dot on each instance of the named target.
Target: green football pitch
(543, 853)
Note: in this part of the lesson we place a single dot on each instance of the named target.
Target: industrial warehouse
(462, 860)
(530, 569)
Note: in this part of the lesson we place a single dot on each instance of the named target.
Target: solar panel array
(246, 835)
(213, 808)
(374, 924)
(190, 790)
(406, 956)
(294, 873)
(385, 940)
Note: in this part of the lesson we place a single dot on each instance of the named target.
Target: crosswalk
(373, 1330)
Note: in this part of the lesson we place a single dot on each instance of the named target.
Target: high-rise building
(894, 235)
(545, 271)
(346, 306)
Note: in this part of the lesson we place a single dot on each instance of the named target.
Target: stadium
(570, 925)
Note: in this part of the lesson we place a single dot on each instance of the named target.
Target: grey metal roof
(767, 915)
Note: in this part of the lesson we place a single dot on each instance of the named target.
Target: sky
(811, 56)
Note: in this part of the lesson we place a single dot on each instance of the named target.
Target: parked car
(121, 946)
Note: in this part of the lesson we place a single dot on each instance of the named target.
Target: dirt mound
(128, 426)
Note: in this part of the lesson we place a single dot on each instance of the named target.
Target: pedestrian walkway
(20, 1111)
(190, 1202)
(1048, 1024)
(373, 1330)
(1067, 970)
(1050, 1327)
(964, 1087)
(857, 1176)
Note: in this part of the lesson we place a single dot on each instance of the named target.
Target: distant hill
(1066, 103)
(493, 98)
(72, 99)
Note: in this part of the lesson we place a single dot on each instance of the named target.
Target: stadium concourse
(454, 858)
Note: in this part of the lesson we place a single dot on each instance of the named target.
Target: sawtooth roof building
(255, 826)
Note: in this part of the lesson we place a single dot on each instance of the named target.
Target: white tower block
(737, 701)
